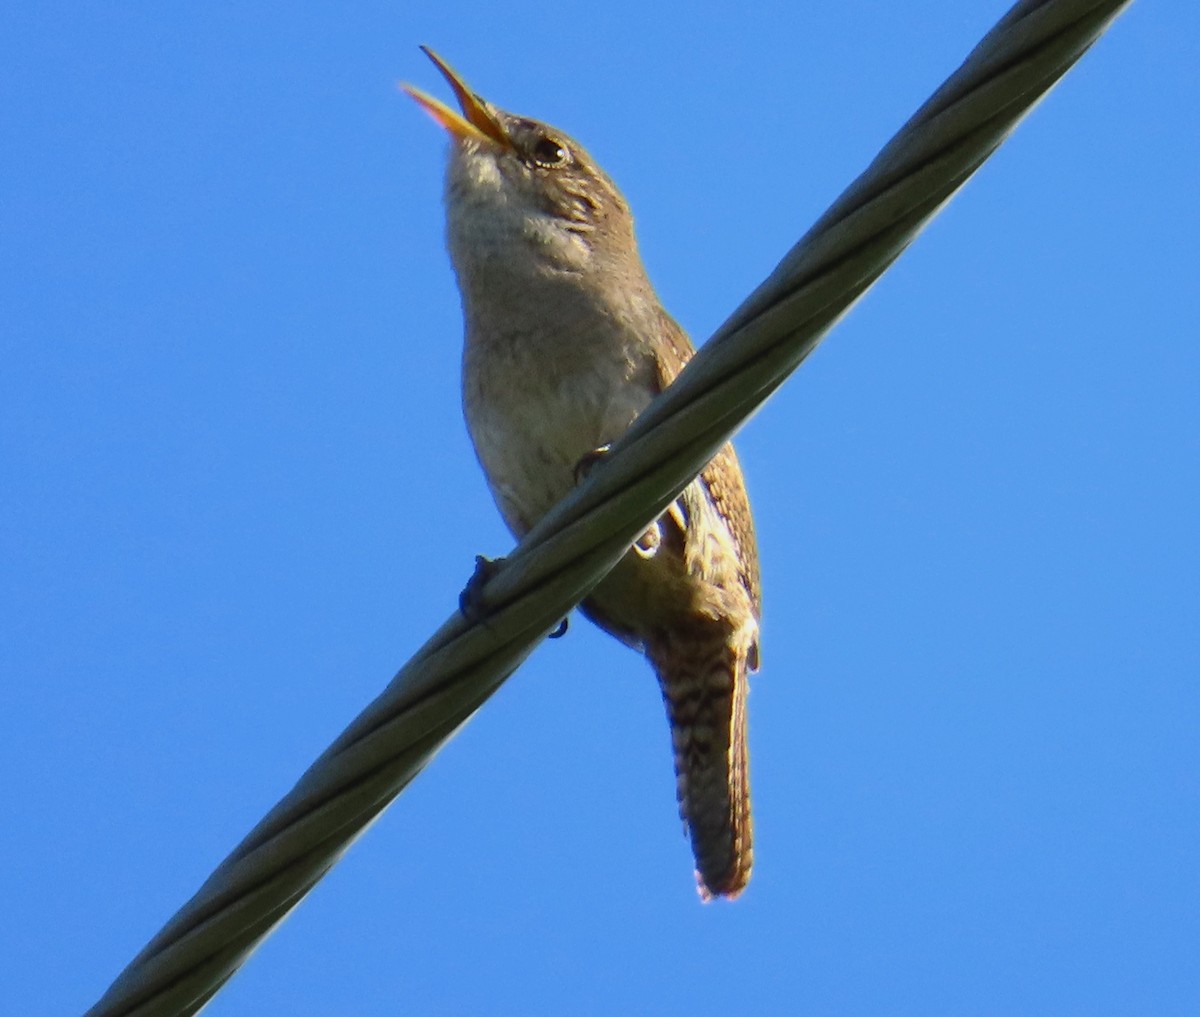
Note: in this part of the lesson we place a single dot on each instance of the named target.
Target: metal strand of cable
(464, 662)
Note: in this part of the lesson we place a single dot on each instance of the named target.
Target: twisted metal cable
(574, 546)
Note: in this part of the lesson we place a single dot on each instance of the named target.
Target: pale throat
(500, 234)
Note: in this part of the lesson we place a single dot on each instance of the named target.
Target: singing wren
(566, 342)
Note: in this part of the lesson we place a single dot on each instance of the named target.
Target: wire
(573, 547)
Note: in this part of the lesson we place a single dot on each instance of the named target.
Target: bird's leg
(647, 544)
(470, 601)
(588, 460)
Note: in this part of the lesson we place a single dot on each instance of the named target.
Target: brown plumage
(566, 342)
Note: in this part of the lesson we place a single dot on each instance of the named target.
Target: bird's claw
(587, 461)
(470, 601)
(647, 544)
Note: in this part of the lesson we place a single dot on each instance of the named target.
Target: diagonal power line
(570, 550)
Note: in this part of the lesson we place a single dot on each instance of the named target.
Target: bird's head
(516, 187)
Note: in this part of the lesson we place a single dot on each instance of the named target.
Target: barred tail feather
(704, 687)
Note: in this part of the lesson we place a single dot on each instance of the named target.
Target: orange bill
(475, 122)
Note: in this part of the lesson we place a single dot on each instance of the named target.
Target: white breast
(535, 408)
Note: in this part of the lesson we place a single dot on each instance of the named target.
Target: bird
(565, 343)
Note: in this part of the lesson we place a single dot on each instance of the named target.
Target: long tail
(704, 686)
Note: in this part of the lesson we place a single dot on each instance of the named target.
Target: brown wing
(723, 475)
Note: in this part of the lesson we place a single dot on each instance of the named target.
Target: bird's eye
(548, 151)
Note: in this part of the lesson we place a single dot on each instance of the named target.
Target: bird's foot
(589, 460)
(646, 545)
(470, 601)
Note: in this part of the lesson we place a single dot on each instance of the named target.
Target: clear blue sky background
(237, 493)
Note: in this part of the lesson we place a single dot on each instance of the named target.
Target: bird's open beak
(475, 123)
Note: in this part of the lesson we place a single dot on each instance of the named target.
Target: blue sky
(238, 493)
